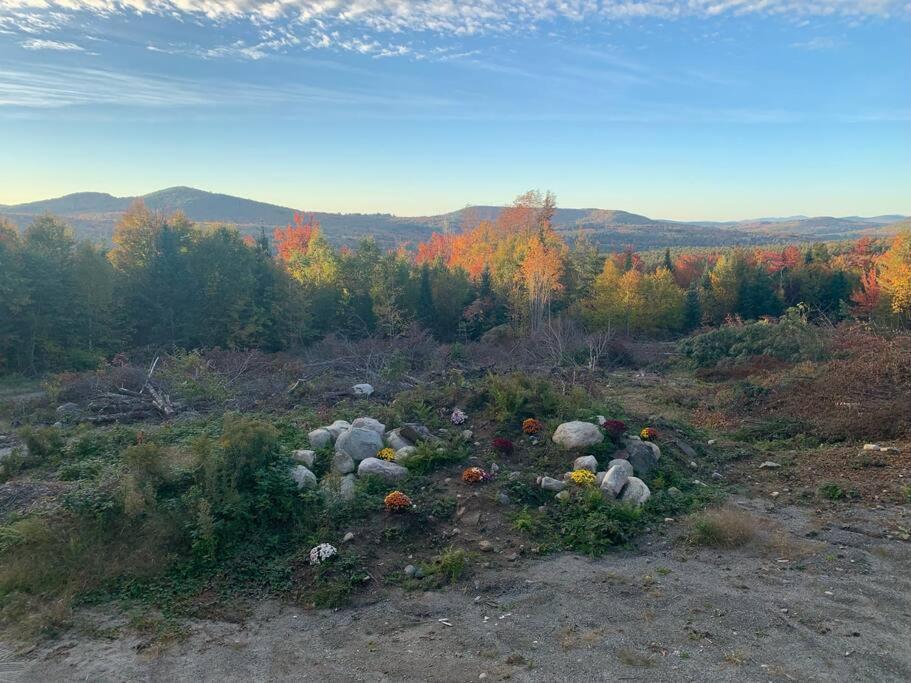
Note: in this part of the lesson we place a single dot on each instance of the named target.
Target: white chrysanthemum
(322, 552)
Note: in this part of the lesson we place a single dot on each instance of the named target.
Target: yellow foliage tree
(895, 273)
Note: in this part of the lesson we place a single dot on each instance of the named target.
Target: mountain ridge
(94, 214)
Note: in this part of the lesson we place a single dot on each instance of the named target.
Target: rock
(5, 453)
(563, 495)
(363, 390)
(577, 435)
(867, 446)
(346, 487)
(712, 442)
(617, 461)
(320, 438)
(342, 463)
(304, 457)
(599, 477)
(503, 499)
(642, 456)
(717, 475)
(485, 546)
(369, 423)
(58, 425)
(359, 443)
(396, 441)
(551, 484)
(416, 433)
(467, 434)
(617, 477)
(410, 570)
(686, 449)
(586, 462)
(337, 428)
(635, 492)
(673, 492)
(68, 410)
(769, 465)
(304, 478)
(406, 454)
(389, 471)
(348, 537)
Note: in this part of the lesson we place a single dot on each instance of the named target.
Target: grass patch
(726, 528)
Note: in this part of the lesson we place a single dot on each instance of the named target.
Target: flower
(614, 428)
(532, 426)
(648, 434)
(505, 446)
(321, 553)
(583, 478)
(397, 501)
(458, 417)
(386, 454)
(473, 475)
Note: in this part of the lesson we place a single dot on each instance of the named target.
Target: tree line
(165, 283)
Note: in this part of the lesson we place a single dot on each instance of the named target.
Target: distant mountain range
(93, 215)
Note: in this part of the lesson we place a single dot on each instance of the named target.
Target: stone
(389, 471)
(635, 492)
(551, 484)
(642, 456)
(712, 442)
(320, 438)
(359, 443)
(346, 487)
(617, 461)
(404, 455)
(577, 435)
(396, 441)
(686, 449)
(599, 477)
(617, 477)
(304, 478)
(485, 546)
(304, 457)
(67, 410)
(586, 462)
(467, 434)
(363, 390)
(337, 428)
(410, 570)
(563, 495)
(416, 433)
(369, 423)
(867, 446)
(673, 492)
(503, 499)
(342, 463)
(769, 465)
(347, 538)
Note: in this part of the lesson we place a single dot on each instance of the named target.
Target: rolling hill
(94, 214)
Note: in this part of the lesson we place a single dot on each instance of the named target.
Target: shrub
(724, 528)
(450, 565)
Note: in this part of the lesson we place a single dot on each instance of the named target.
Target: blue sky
(712, 109)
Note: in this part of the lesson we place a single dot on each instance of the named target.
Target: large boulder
(369, 423)
(389, 471)
(396, 441)
(405, 455)
(304, 457)
(586, 462)
(551, 484)
(643, 456)
(616, 478)
(577, 435)
(304, 478)
(359, 443)
(415, 432)
(635, 492)
(342, 463)
(337, 428)
(320, 438)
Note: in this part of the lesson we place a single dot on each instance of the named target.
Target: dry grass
(724, 528)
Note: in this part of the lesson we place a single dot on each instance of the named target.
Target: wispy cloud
(818, 43)
(42, 44)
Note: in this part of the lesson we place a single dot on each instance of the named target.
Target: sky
(681, 109)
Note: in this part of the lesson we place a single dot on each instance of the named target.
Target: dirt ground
(822, 596)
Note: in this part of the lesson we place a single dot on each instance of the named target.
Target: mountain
(94, 214)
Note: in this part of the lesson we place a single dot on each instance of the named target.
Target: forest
(167, 284)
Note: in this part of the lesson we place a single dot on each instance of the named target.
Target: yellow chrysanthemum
(582, 478)
(386, 454)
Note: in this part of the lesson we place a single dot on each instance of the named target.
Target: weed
(450, 565)
(832, 491)
(725, 528)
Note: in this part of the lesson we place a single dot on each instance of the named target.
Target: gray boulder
(304, 478)
(389, 471)
(320, 438)
(616, 478)
(396, 441)
(635, 492)
(359, 443)
(369, 423)
(586, 462)
(551, 484)
(337, 428)
(416, 433)
(362, 390)
(342, 463)
(404, 455)
(643, 456)
(577, 435)
(304, 457)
